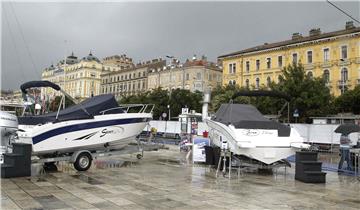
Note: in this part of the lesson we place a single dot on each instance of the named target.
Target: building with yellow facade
(80, 78)
(125, 81)
(334, 56)
(193, 75)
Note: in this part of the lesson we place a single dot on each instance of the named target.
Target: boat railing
(133, 108)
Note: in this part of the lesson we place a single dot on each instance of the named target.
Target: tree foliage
(310, 96)
(54, 104)
(162, 98)
(349, 101)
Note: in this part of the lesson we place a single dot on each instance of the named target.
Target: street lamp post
(168, 106)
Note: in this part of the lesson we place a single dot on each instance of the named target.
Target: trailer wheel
(83, 161)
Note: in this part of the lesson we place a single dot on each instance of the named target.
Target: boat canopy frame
(269, 93)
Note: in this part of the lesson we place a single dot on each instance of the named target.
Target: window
(257, 83)
(309, 56)
(344, 75)
(257, 65)
(326, 54)
(247, 83)
(280, 61)
(232, 68)
(125, 77)
(268, 81)
(139, 74)
(268, 63)
(144, 74)
(310, 74)
(187, 76)
(326, 76)
(344, 52)
(247, 66)
(295, 58)
(198, 76)
(139, 84)
(232, 82)
(129, 76)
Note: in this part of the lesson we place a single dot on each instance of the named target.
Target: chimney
(315, 32)
(349, 25)
(296, 36)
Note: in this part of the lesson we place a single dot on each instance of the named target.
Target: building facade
(194, 75)
(121, 61)
(126, 81)
(334, 56)
(80, 78)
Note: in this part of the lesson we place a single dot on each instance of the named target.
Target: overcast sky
(33, 34)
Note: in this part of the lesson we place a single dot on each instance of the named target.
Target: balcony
(326, 64)
(344, 62)
(342, 83)
(309, 66)
(357, 60)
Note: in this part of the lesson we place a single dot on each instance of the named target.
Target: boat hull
(262, 145)
(112, 131)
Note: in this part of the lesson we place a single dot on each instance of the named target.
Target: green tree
(55, 103)
(309, 95)
(184, 98)
(349, 101)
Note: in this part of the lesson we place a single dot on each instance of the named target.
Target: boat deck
(163, 180)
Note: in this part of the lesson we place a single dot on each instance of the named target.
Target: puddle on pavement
(112, 163)
(87, 179)
(171, 162)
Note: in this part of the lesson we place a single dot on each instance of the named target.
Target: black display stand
(308, 169)
(17, 163)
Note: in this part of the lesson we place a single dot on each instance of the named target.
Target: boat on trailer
(95, 124)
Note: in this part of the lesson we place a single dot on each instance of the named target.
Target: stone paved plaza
(161, 180)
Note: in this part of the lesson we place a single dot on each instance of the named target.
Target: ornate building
(78, 77)
(334, 56)
(193, 75)
(121, 61)
(125, 81)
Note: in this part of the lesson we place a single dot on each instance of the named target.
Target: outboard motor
(8, 127)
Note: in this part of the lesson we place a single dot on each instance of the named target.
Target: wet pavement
(163, 180)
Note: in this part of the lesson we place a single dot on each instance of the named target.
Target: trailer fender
(76, 154)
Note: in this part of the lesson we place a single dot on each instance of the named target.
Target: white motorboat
(96, 124)
(249, 134)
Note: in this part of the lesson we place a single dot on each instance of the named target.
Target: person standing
(345, 152)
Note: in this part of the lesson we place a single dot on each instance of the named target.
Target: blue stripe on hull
(84, 126)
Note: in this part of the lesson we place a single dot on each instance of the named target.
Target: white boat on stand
(96, 124)
(252, 137)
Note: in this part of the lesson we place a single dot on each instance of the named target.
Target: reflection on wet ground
(164, 180)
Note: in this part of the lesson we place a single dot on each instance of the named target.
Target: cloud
(146, 30)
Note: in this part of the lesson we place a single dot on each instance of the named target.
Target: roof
(293, 41)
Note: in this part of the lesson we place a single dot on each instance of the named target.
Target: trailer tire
(83, 161)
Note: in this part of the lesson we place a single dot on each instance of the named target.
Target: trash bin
(209, 155)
